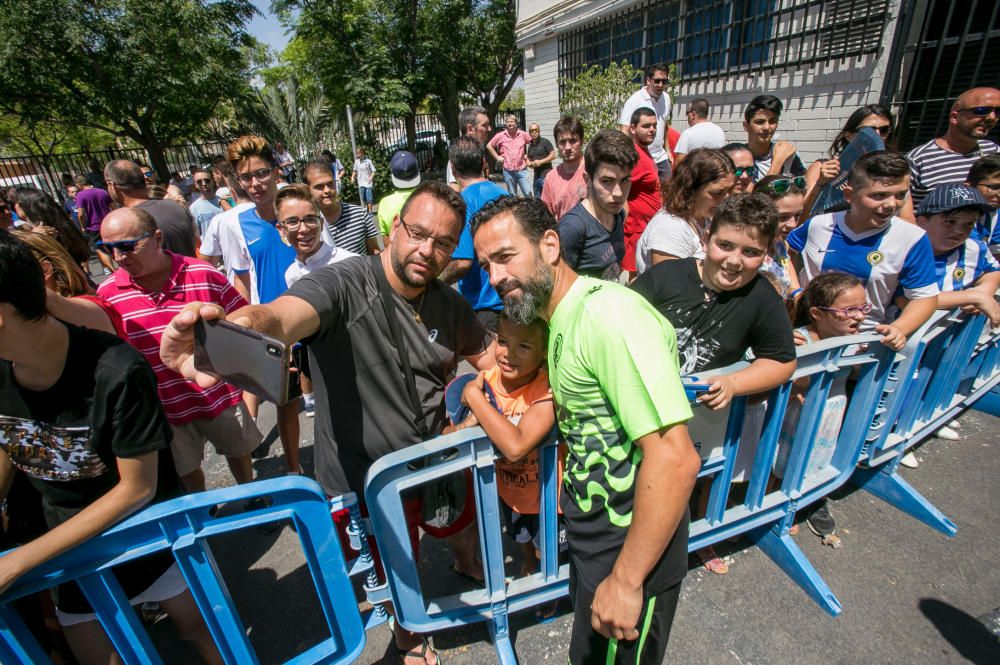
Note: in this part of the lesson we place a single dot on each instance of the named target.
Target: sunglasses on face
(991, 186)
(883, 130)
(206, 181)
(148, 174)
(982, 111)
(260, 175)
(741, 171)
(660, 81)
(309, 221)
(848, 312)
(123, 246)
(782, 185)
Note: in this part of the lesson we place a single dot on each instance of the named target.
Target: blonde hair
(249, 146)
(67, 275)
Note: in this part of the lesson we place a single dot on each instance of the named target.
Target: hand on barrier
(615, 611)
(720, 392)
(985, 304)
(828, 171)
(799, 338)
(177, 343)
(892, 336)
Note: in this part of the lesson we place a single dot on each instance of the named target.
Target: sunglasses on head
(741, 171)
(123, 246)
(982, 111)
(782, 185)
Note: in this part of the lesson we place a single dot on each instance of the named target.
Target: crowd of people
(580, 303)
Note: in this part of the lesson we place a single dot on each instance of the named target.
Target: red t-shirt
(644, 201)
(116, 319)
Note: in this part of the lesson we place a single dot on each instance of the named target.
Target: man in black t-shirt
(363, 408)
(127, 186)
(79, 416)
(541, 154)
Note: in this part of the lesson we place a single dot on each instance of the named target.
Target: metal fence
(709, 38)
(942, 49)
(391, 132)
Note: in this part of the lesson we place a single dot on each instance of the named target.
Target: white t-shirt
(365, 170)
(324, 256)
(661, 107)
(211, 244)
(667, 234)
(702, 135)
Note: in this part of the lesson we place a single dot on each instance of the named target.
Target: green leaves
(597, 95)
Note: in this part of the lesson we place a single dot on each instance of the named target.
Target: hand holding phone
(177, 342)
(246, 358)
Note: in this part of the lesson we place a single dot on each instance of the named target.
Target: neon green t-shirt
(614, 374)
(389, 207)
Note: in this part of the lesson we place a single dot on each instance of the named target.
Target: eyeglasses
(782, 185)
(309, 221)
(883, 130)
(123, 246)
(260, 174)
(206, 181)
(741, 171)
(148, 174)
(982, 111)
(849, 312)
(660, 81)
(992, 186)
(534, 130)
(419, 237)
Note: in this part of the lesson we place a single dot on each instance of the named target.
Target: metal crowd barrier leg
(780, 547)
(885, 483)
(17, 644)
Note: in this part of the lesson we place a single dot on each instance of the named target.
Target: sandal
(711, 561)
(418, 652)
(547, 613)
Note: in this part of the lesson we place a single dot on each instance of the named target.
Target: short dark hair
(732, 148)
(747, 211)
(466, 155)
(985, 167)
(641, 112)
(294, 192)
(568, 123)
(125, 174)
(318, 164)
(610, 146)
(81, 180)
(657, 67)
(881, 166)
(533, 216)
(823, 291)
(201, 169)
(469, 116)
(147, 223)
(763, 103)
(22, 283)
(699, 107)
(537, 323)
(440, 192)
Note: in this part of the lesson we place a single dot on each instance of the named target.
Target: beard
(534, 294)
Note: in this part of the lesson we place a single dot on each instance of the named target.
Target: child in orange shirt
(522, 418)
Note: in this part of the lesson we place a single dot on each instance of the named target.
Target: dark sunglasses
(782, 185)
(123, 246)
(741, 171)
(661, 81)
(205, 181)
(883, 130)
(982, 111)
(148, 174)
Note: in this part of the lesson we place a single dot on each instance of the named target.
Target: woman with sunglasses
(703, 180)
(46, 216)
(788, 194)
(70, 296)
(823, 171)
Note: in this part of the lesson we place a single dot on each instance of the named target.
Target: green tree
(152, 71)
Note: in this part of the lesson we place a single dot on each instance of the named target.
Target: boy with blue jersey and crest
(967, 274)
(870, 242)
(984, 177)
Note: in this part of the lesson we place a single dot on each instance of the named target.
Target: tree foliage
(597, 94)
(153, 71)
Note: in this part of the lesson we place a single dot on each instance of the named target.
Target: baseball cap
(952, 196)
(404, 169)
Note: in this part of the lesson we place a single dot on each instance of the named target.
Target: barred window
(707, 38)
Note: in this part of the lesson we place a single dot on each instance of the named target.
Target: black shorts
(134, 577)
(527, 528)
(588, 647)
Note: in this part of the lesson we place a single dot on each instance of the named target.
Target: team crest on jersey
(875, 258)
(958, 274)
(557, 349)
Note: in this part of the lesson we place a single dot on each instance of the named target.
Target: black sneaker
(821, 521)
(261, 451)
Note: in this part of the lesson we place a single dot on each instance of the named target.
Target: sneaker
(261, 451)
(954, 424)
(992, 621)
(821, 521)
(947, 433)
(909, 460)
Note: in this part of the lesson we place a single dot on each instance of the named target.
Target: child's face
(305, 237)
(837, 324)
(520, 350)
(708, 197)
(761, 126)
(789, 211)
(732, 257)
(874, 204)
(948, 230)
(990, 189)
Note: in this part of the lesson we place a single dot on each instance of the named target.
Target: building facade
(822, 58)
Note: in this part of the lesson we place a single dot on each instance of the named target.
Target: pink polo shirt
(511, 148)
(146, 314)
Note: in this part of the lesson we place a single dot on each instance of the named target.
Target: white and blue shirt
(896, 256)
(960, 268)
(987, 232)
(253, 245)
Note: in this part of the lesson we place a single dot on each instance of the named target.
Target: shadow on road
(964, 632)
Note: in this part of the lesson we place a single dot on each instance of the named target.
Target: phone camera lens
(272, 350)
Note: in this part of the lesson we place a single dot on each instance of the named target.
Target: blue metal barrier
(183, 526)
(898, 399)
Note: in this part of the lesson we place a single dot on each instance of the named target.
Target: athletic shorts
(588, 647)
(233, 433)
(366, 195)
(527, 528)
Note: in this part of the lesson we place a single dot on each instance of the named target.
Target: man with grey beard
(621, 408)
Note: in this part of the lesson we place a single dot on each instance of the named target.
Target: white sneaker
(909, 460)
(947, 433)
(954, 424)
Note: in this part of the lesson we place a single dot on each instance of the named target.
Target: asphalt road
(910, 595)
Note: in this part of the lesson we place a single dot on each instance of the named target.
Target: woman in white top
(700, 183)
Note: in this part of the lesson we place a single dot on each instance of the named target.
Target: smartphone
(245, 358)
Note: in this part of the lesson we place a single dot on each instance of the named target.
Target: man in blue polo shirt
(467, 158)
